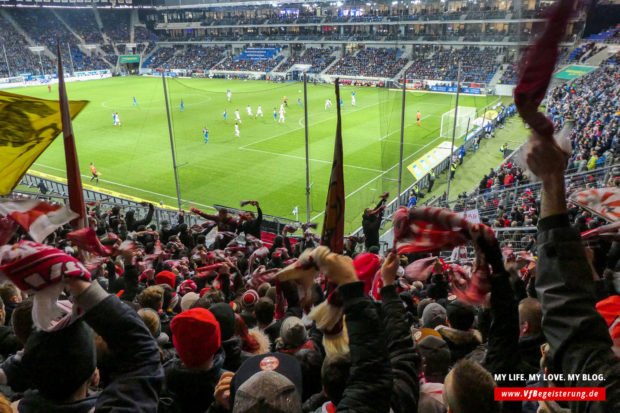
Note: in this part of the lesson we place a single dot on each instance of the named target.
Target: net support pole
(307, 153)
(174, 160)
(8, 68)
(71, 59)
(402, 137)
(456, 114)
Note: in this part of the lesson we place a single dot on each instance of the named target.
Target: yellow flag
(27, 127)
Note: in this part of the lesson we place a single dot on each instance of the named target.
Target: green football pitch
(267, 161)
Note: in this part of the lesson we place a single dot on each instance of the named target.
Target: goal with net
(464, 117)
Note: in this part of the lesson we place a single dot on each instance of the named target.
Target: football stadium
(261, 206)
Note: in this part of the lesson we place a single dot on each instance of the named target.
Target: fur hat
(187, 300)
(196, 336)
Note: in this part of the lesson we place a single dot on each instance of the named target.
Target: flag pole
(402, 138)
(307, 155)
(174, 160)
(71, 59)
(332, 234)
(74, 180)
(456, 113)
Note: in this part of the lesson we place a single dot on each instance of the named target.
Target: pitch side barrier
(59, 192)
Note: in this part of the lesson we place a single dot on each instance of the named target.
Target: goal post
(465, 116)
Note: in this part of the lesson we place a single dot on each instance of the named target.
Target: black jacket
(253, 227)
(190, 391)
(577, 334)
(235, 356)
(133, 224)
(404, 358)
(9, 344)
(369, 387)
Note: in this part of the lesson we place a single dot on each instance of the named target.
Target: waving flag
(333, 225)
(27, 127)
(38, 218)
(87, 239)
(538, 65)
(604, 202)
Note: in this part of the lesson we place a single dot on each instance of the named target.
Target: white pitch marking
(130, 187)
(311, 159)
(380, 175)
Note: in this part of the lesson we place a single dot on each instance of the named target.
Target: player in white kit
(249, 109)
(259, 112)
(281, 115)
(237, 116)
(328, 103)
(237, 130)
(228, 94)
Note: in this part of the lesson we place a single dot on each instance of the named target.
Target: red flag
(333, 225)
(538, 65)
(74, 180)
(38, 218)
(87, 239)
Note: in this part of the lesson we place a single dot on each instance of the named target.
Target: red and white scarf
(39, 269)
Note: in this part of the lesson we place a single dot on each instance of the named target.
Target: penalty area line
(382, 174)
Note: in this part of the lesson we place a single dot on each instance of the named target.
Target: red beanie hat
(366, 266)
(166, 277)
(204, 290)
(196, 336)
(609, 308)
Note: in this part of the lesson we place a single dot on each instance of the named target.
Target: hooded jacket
(190, 391)
(460, 342)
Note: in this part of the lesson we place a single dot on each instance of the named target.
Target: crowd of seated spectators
(510, 75)
(477, 65)
(46, 30)
(370, 62)
(161, 57)
(20, 58)
(194, 58)
(318, 58)
(589, 106)
(115, 24)
(83, 23)
(249, 65)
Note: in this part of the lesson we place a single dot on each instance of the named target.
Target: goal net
(464, 118)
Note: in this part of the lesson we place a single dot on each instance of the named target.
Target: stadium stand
(318, 58)
(373, 62)
(477, 65)
(253, 59)
(20, 58)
